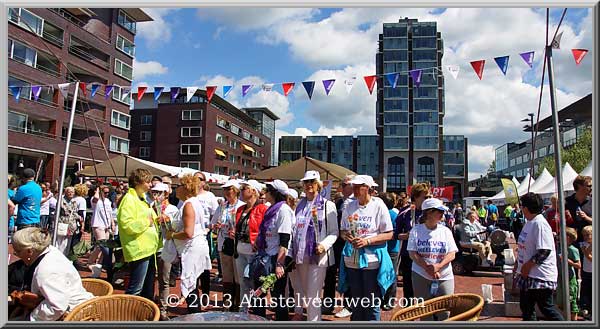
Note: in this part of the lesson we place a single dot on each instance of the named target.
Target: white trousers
(63, 243)
(309, 279)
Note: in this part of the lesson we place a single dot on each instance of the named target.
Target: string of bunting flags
(287, 87)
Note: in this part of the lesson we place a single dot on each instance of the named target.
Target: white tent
(522, 189)
(498, 199)
(568, 176)
(514, 179)
(542, 180)
(587, 171)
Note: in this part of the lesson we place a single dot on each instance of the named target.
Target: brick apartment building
(49, 46)
(216, 137)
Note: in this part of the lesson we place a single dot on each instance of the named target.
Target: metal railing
(53, 39)
(29, 131)
(71, 18)
(88, 57)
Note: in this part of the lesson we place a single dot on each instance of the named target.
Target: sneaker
(344, 313)
(96, 269)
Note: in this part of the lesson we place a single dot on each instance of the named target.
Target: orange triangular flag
(141, 91)
(287, 87)
(478, 67)
(210, 91)
(579, 54)
(370, 81)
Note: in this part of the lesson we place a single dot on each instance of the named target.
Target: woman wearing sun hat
(367, 268)
(431, 246)
(313, 235)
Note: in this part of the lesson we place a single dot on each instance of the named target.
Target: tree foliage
(492, 167)
(577, 155)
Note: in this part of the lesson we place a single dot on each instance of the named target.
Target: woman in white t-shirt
(273, 242)
(102, 226)
(367, 268)
(431, 246)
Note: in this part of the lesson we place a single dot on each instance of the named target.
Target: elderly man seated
(470, 237)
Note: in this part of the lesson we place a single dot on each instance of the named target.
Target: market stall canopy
(124, 164)
(587, 171)
(514, 179)
(522, 189)
(294, 171)
(568, 176)
(542, 180)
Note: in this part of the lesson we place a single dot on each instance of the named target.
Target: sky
(238, 46)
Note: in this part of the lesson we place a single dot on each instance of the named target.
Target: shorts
(573, 289)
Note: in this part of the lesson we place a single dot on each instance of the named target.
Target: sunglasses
(156, 192)
(590, 186)
(227, 188)
(308, 181)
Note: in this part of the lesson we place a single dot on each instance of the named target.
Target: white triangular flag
(453, 69)
(64, 88)
(267, 86)
(349, 84)
(190, 91)
(124, 92)
(556, 41)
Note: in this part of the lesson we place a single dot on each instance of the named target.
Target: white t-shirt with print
(281, 224)
(226, 216)
(81, 203)
(209, 204)
(535, 235)
(585, 262)
(367, 221)
(102, 216)
(432, 246)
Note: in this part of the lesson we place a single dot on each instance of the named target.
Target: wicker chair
(115, 308)
(97, 287)
(462, 307)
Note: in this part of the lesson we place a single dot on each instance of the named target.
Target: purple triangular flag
(95, 87)
(157, 92)
(107, 90)
(16, 91)
(416, 76)
(174, 93)
(328, 84)
(246, 89)
(528, 57)
(36, 90)
(309, 86)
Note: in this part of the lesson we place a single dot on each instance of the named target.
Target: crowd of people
(306, 246)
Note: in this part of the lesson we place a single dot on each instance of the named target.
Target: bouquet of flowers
(313, 213)
(164, 219)
(352, 219)
(268, 284)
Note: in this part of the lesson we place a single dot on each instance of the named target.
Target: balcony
(53, 34)
(32, 129)
(64, 13)
(89, 53)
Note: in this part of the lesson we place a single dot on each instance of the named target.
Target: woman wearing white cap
(313, 235)
(273, 241)
(247, 220)
(431, 246)
(224, 222)
(367, 269)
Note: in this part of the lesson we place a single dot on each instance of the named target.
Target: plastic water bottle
(433, 290)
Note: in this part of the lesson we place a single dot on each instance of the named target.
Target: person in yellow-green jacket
(139, 234)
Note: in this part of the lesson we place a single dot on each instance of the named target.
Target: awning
(248, 148)
(220, 153)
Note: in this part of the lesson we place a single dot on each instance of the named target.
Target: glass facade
(317, 147)
(367, 156)
(341, 151)
(290, 148)
(454, 156)
(501, 158)
(266, 125)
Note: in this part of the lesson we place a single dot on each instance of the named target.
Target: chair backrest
(462, 307)
(97, 287)
(115, 308)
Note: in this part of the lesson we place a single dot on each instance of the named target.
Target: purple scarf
(270, 214)
(310, 242)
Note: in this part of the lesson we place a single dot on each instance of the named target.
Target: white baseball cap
(279, 185)
(433, 203)
(363, 180)
(253, 184)
(232, 182)
(161, 187)
(311, 174)
(293, 193)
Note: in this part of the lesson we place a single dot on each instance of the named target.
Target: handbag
(62, 229)
(228, 247)
(261, 265)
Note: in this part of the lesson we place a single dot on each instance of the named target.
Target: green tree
(492, 167)
(577, 155)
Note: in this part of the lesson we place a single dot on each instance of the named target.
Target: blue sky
(217, 46)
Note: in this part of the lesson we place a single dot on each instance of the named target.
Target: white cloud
(158, 31)
(144, 69)
(480, 158)
(254, 18)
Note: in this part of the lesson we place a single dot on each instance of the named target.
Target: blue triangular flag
(16, 91)
(94, 89)
(393, 78)
(309, 86)
(502, 63)
(157, 92)
(226, 90)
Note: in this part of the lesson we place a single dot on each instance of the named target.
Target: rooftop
(262, 109)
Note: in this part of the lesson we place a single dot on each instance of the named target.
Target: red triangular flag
(82, 87)
(370, 80)
(579, 54)
(287, 87)
(478, 67)
(210, 91)
(141, 91)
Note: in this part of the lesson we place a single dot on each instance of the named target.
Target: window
(256, 140)
(118, 144)
(424, 55)
(144, 152)
(426, 143)
(395, 55)
(127, 22)
(125, 46)
(123, 70)
(426, 170)
(232, 158)
(26, 87)
(395, 130)
(145, 136)
(519, 160)
(27, 20)
(17, 121)
(21, 53)
(121, 94)
(512, 162)
(395, 117)
(542, 152)
(235, 129)
(222, 123)
(191, 115)
(189, 149)
(234, 144)
(395, 143)
(395, 43)
(426, 117)
(426, 130)
(221, 139)
(247, 135)
(146, 120)
(395, 177)
(190, 164)
(424, 43)
(191, 132)
(120, 119)
(220, 170)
